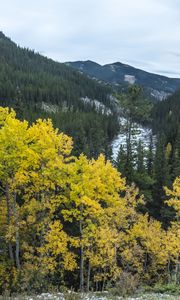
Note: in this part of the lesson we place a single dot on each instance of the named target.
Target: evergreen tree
(150, 157)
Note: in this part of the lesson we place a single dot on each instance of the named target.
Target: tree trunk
(17, 235)
(96, 286)
(9, 215)
(88, 276)
(103, 284)
(81, 253)
(145, 262)
(177, 270)
(128, 138)
(169, 272)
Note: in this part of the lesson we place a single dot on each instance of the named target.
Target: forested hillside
(166, 116)
(37, 86)
(157, 165)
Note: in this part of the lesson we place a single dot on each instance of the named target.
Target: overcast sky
(142, 33)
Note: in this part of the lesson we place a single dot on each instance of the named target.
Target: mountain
(119, 75)
(40, 87)
(46, 79)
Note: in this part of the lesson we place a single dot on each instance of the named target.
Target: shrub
(126, 285)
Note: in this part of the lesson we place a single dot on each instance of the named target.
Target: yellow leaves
(174, 201)
(32, 207)
(172, 241)
(67, 204)
(31, 219)
(151, 235)
(69, 261)
(108, 180)
(6, 113)
(168, 150)
(56, 238)
(31, 153)
(154, 241)
(10, 233)
(13, 146)
(133, 255)
(133, 197)
(8, 275)
(3, 213)
(47, 264)
(93, 185)
(69, 215)
(47, 141)
(74, 242)
(57, 244)
(102, 250)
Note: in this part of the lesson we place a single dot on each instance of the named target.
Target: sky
(141, 33)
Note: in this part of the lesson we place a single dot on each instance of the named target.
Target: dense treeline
(166, 117)
(166, 124)
(42, 79)
(28, 80)
(74, 222)
(92, 133)
(152, 169)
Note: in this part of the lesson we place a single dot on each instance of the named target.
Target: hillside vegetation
(70, 216)
(73, 222)
(119, 75)
(37, 86)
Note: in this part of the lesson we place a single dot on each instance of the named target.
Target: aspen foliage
(174, 194)
(73, 221)
(173, 233)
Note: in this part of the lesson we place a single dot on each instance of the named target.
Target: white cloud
(145, 31)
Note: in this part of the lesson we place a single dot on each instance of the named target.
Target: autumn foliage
(68, 221)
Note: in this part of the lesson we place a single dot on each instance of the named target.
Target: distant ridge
(119, 74)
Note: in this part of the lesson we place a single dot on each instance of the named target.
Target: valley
(89, 179)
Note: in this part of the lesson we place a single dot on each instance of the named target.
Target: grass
(158, 293)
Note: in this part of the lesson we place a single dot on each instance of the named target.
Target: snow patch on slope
(112, 67)
(50, 108)
(130, 79)
(98, 105)
(160, 95)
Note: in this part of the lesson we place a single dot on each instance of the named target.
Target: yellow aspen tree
(46, 177)
(174, 195)
(13, 153)
(173, 233)
(102, 254)
(55, 251)
(94, 185)
(172, 251)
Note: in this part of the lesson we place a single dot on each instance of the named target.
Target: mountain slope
(119, 74)
(32, 72)
(166, 117)
(39, 87)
